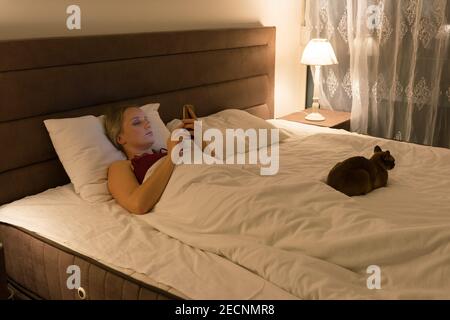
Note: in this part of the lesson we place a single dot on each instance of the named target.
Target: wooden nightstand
(333, 119)
(4, 292)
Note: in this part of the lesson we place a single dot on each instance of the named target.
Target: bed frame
(75, 76)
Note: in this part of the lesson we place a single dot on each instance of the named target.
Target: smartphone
(189, 112)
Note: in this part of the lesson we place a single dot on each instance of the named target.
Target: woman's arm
(136, 198)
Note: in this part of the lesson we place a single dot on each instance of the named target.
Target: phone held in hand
(189, 112)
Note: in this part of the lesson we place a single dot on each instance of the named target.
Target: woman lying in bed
(129, 130)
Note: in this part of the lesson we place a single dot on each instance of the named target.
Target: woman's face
(136, 132)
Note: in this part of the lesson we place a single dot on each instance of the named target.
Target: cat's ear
(377, 149)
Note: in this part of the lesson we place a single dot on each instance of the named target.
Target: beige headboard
(75, 76)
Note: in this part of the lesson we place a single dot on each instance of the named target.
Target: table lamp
(318, 52)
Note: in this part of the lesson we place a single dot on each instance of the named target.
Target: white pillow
(240, 119)
(86, 153)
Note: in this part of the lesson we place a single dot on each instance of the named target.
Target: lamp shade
(319, 52)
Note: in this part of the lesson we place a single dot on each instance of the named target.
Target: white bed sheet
(116, 238)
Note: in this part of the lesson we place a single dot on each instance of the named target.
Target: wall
(47, 18)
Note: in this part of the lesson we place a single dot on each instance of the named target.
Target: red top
(143, 162)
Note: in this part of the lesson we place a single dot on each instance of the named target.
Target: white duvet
(310, 240)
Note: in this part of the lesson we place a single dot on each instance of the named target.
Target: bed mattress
(37, 269)
(114, 255)
(45, 233)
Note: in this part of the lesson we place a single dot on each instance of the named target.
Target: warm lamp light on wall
(318, 52)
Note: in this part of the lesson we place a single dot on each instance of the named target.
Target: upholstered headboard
(75, 76)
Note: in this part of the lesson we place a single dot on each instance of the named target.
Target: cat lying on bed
(358, 175)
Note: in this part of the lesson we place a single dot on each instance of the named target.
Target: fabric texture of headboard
(74, 76)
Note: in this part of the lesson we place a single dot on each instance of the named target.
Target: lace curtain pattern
(394, 71)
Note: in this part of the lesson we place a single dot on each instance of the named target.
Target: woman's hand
(187, 124)
(170, 145)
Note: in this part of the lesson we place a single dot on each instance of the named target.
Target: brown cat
(358, 175)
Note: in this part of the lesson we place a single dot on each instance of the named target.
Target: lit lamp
(318, 52)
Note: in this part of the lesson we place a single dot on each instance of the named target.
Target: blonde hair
(114, 123)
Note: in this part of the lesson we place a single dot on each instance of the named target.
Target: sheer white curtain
(394, 71)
